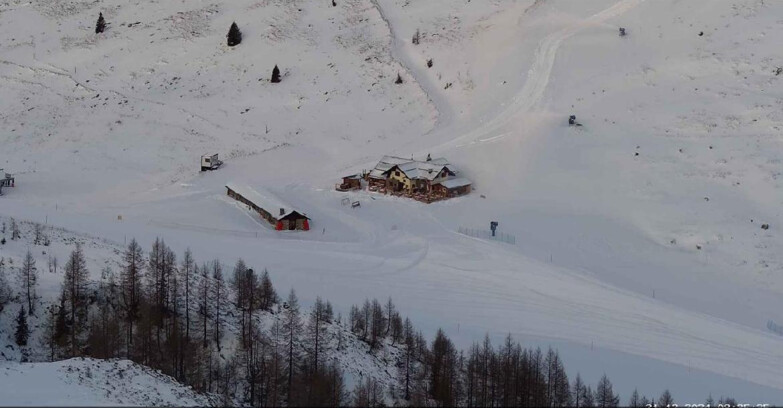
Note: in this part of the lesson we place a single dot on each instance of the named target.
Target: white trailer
(210, 162)
(6, 180)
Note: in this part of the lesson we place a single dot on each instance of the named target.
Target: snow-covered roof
(414, 169)
(386, 163)
(264, 199)
(455, 182)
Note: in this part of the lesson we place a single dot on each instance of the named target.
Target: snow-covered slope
(130, 109)
(638, 233)
(91, 382)
(339, 345)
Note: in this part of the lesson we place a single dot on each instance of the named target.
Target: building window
(397, 173)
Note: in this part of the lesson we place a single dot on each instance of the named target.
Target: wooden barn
(453, 187)
(352, 182)
(281, 215)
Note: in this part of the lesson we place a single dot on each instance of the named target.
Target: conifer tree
(727, 402)
(557, 380)
(14, 230)
(292, 328)
(28, 279)
(634, 401)
(187, 271)
(244, 284)
(161, 269)
(316, 331)
(589, 401)
(37, 234)
(275, 75)
(443, 370)
(377, 323)
(60, 327)
(105, 335)
(219, 294)
(74, 294)
(268, 296)
(203, 307)
(578, 392)
(234, 36)
(130, 289)
(665, 399)
(49, 338)
(22, 330)
(604, 395)
(368, 393)
(5, 288)
(100, 26)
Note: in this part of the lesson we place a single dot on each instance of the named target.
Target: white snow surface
(637, 234)
(91, 382)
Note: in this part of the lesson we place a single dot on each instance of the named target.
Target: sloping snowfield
(638, 233)
(91, 382)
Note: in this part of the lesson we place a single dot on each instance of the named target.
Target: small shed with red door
(281, 215)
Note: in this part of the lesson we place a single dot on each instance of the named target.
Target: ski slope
(638, 234)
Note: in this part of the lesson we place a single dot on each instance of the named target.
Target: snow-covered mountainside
(91, 382)
(639, 243)
(356, 360)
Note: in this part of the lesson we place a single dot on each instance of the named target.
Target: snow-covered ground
(91, 382)
(637, 235)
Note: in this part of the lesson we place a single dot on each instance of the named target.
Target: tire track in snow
(538, 78)
(430, 89)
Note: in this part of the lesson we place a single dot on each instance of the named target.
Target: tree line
(228, 333)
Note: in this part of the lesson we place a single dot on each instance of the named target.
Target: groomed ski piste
(639, 249)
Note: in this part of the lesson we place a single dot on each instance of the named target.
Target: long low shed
(280, 214)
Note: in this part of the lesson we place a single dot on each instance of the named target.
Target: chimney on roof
(282, 211)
